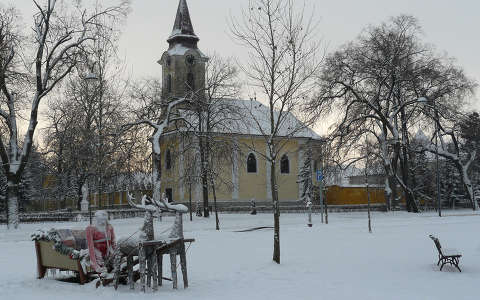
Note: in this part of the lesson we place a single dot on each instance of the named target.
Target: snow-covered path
(336, 261)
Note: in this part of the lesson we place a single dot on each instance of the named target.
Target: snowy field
(336, 261)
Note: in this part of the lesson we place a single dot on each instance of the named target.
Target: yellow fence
(337, 195)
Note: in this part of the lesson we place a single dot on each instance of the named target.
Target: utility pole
(436, 160)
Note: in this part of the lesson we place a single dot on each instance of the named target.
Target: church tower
(183, 64)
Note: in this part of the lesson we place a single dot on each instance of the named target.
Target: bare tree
(449, 134)
(59, 36)
(85, 116)
(379, 78)
(283, 63)
(160, 116)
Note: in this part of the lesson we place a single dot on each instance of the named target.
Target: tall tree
(380, 78)
(57, 39)
(85, 117)
(284, 61)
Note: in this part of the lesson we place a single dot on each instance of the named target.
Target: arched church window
(190, 82)
(169, 83)
(168, 160)
(251, 163)
(284, 165)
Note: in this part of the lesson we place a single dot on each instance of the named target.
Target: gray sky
(452, 26)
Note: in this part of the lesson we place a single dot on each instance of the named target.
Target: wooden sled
(48, 258)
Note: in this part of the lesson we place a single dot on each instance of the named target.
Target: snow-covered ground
(336, 261)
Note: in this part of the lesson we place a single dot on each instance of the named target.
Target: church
(241, 171)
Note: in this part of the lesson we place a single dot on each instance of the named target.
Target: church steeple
(183, 63)
(182, 31)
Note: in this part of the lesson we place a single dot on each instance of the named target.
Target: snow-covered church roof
(251, 117)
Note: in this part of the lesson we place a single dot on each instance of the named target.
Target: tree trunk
(13, 218)
(157, 176)
(387, 193)
(393, 179)
(203, 167)
(203, 163)
(190, 200)
(79, 197)
(391, 191)
(387, 167)
(148, 226)
(409, 196)
(217, 221)
(276, 213)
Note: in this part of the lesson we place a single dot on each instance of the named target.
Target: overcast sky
(452, 26)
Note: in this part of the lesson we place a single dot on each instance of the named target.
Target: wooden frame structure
(150, 260)
(446, 256)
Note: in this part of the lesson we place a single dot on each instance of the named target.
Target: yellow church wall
(255, 185)
(287, 183)
(223, 186)
(250, 185)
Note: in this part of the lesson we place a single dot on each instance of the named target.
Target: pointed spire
(183, 28)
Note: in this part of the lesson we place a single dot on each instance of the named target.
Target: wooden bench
(446, 256)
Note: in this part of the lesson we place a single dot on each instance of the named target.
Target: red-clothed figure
(101, 241)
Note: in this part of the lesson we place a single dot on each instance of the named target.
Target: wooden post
(149, 270)
(173, 267)
(160, 267)
(141, 260)
(41, 270)
(83, 277)
(183, 264)
(154, 261)
(130, 272)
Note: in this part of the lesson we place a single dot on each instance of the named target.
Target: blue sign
(319, 175)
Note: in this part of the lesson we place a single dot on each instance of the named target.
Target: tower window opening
(190, 82)
(168, 160)
(169, 83)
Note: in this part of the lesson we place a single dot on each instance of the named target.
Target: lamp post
(90, 77)
(434, 106)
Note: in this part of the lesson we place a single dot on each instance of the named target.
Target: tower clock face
(190, 60)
